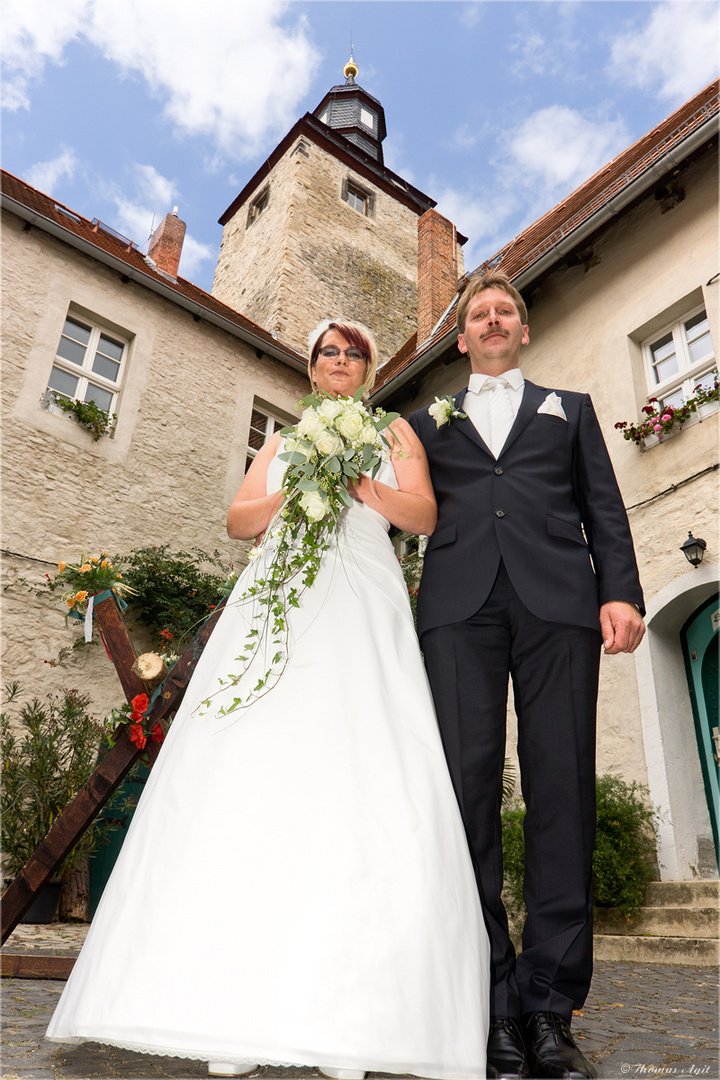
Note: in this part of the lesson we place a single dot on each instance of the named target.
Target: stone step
(681, 922)
(678, 893)
(699, 952)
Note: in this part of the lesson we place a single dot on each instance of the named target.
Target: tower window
(360, 200)
(367, 118)
(257, 206)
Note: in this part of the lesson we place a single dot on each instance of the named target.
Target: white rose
(370, 435)
(308, 421)
(440, 411)
(313, 505)
(296, 446)
(350, 424)
(330, 408)
(328, 443)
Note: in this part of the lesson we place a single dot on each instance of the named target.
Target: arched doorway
(700, 640)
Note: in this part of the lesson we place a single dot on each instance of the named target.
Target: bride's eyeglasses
(329, 352)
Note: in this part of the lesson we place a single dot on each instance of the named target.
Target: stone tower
(324, 228)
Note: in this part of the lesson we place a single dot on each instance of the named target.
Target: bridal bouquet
(334, 442)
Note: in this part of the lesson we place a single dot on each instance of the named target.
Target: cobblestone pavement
(645, 1020)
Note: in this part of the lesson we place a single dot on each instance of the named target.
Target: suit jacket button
(498, 470)
(499, 513)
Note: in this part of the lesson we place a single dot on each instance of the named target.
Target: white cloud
(141, 206)
(34, 32)
(46, 175)
(561, 148)
(675, 53)
(194, 254)
(233, 70)
(470, 14)
(481, 216)
(541, 161)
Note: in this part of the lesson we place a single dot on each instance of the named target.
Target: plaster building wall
(167, 474)
(586, 325)
(310, 255)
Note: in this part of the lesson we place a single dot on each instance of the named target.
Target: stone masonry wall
(310, 255)
(166, 476)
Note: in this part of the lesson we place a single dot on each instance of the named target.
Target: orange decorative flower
(85, 567)
(80, 597)
(70, 601)
(137, 736)
(61, 567)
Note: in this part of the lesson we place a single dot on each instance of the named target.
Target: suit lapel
(532, 399)
(468, 428)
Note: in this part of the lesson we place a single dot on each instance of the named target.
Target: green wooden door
(700, 640)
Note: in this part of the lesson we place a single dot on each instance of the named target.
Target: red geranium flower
(137, 736)
(157, 734)
(140, 703)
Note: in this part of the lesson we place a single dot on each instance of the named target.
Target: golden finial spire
(351, 69)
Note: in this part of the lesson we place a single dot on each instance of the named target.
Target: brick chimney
(166, 243)
(437, 269)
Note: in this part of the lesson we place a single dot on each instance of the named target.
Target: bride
(295, 887)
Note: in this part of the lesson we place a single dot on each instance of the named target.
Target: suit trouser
(554, 668)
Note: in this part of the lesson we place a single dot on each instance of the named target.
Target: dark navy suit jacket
(550, 507)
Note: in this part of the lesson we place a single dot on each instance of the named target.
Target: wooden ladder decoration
(99, 789)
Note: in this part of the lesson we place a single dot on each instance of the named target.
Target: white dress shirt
(477, 404)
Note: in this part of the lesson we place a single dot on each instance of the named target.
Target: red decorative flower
(140, 703)
(167, 634)
(157, 734)
(137, 736)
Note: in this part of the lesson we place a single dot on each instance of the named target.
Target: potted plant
(660, 421)
(49, 750)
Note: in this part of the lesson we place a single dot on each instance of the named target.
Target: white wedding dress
(295, 887)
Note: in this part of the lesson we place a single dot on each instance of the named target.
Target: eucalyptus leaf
(308, 485)
(293, 457)
(333, 465)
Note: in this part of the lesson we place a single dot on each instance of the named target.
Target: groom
(531, 569)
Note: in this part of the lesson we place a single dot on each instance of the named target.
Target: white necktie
(501, 413)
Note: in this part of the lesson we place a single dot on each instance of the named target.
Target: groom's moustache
(490, 333)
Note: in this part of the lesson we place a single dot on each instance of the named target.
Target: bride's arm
(412, 507)
(253, 509)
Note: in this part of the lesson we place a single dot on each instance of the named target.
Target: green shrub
(625, 858)
(624, 861)
(49, 750)
(174, 592)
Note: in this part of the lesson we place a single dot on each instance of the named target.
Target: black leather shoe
(506, 1055)
(552, 1050)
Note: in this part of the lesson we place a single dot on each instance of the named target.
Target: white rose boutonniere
(444, 409)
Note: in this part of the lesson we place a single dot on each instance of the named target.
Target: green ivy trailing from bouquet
(333, 443)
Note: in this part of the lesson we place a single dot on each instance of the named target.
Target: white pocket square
(552, 406)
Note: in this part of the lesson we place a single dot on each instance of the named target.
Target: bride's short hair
(356, 335)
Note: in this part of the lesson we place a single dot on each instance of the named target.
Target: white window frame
(272, 424)
(84, 372)
(689, 374)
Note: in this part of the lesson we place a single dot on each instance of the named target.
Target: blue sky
(123, 108)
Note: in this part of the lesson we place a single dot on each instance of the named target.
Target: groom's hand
(622, 627)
